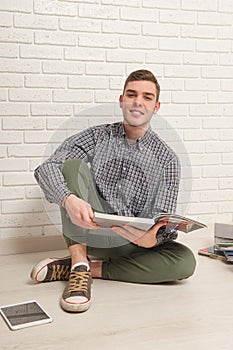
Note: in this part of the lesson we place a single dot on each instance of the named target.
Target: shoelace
(78, 281)
(60, 272)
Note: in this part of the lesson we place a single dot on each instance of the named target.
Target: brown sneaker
(52, 269)
(77, 294)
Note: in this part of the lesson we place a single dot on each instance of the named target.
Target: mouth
(136, 112)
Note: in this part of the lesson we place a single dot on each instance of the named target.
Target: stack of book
(223, 244)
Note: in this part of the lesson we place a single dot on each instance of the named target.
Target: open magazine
(175, 221)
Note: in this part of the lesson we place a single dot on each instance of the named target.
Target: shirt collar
(141, 141)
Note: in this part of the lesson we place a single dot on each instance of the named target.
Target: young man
(122, 168)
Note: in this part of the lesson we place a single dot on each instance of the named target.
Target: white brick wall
(58, 58)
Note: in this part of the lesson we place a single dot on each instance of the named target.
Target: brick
(3, 94)
(145, 42)
(47, 109)
(205, 110)
(225, 33)
(206, 45)
(13, 165)
(16, 6)
(16, 36)
(165, 4)
(33, 192)
(35, 21)
(219, 147)
(9, 50)
(19, 66)
(41, 52)
(125, 56)
(84, 54)
(226, 207)
(106, 69)
(56, 38)
(7, 193)
(11, 80)
(80, 25)
(217, 123)
(43, 137)
(217, 72)
(219, 19)
(106, 96)
(96, 11)
(12, 108)
(164, 58)
(181, 17)
(142, 15)
(199, 5)
(26, 151)
(21, 123)
(62, 67)
(29, 95)
(188, 97)
(184, 123)
(98, 40)
(204, 184)
(121, 27)
(226, 60)
(6, 20)
(18, 179)
(202, 85)
(228, 111)
(175, 44)
(72, 96)
(204, 159)
(223, 97)
(11, 137)
(226, 183)
(82, 82)
(45, 81)
(200, 208)
(171, 110)
(200, 59)
(159, 29)
(130, 3)
(225, 6)
(21, 206)
(173, 71)
(195, 31)
(48, 7)
(3, 153)
(226, 135)
(197, 135)
(228, 158)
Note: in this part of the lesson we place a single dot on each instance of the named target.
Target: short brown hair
(143, 74)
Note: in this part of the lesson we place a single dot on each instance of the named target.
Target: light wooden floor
(193, 314)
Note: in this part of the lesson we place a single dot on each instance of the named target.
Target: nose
(138, 100)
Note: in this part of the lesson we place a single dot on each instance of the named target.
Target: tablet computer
(26, 314)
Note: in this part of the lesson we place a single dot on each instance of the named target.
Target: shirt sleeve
(166, 199)
(49, 173)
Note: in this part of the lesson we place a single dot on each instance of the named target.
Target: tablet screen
(24, 314)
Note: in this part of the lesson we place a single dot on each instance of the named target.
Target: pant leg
(80, 182)
(168, 262)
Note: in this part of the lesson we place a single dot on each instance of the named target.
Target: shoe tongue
(80, 268)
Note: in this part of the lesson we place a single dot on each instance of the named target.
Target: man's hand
(80, 212)
(145, 239)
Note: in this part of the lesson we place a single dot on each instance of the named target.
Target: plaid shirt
(139, 179)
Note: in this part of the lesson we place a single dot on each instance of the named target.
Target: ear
(120, 100)
(157, 106)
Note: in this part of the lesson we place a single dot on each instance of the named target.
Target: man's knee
(187, 264)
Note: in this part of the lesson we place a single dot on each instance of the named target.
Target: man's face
(138, 103)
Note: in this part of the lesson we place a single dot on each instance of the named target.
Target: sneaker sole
(41, 265)
(73, 307)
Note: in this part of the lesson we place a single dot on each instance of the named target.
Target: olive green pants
(122, 261)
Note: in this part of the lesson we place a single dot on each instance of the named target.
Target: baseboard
(22, 245)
